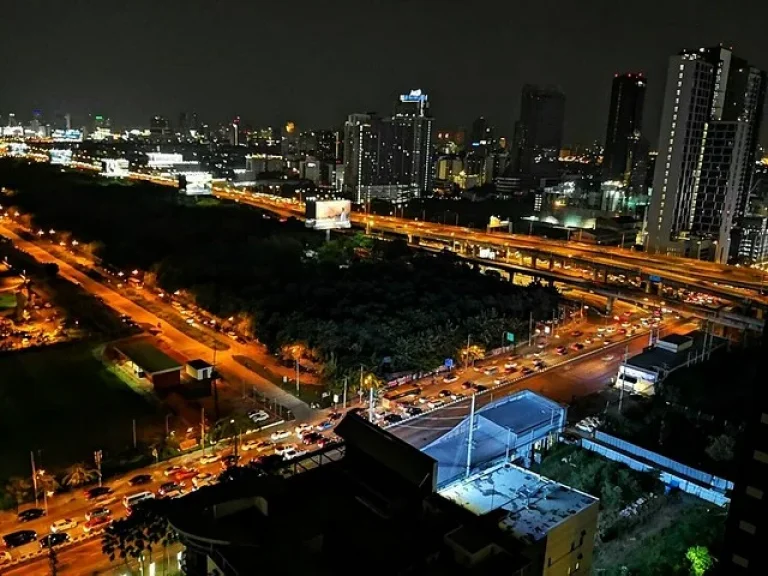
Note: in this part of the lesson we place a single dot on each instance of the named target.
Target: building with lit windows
(539, 132)
(390, 158)
(750, 241)
(713, 106)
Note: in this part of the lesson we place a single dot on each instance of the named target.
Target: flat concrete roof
(199, 364)
(535, 504)
(147, 357)
(659, 358)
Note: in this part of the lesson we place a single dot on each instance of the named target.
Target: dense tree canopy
(350, 302)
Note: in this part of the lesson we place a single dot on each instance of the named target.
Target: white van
(133, 499)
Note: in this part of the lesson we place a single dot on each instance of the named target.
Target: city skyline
(366, 77)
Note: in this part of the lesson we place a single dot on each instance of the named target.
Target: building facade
(539, 131)
(625, 120)
(713, 107)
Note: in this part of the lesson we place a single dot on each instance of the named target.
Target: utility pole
(344, 396)
(470, 436)
(297, 375)
(530, 329)
(202, 429)
(215, 388)
(97, 459)
(370, 404)
(466, 361)
(34, 474)
(623, 375)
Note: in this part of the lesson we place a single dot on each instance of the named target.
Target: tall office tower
(68, 121)
(183, 125)
(407, 146)
(329, 145)
(361, 155)
(539, 132)
(159, 127)
(625, 119)
(713, 106)
(12, 119)
(234, 132)
(289, 140)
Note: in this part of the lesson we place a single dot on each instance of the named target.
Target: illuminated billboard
(413, 96)
(195, 183)
(163, 160)
(328, 214)
(67, 136)
(17, 149)
(60, 157)
(114, 167)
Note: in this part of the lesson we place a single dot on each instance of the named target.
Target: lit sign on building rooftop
(414, 96)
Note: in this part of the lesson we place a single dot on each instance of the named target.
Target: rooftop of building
(533, 505)
(146, 356)
(500, 426)
(658, 358)
(199, 364)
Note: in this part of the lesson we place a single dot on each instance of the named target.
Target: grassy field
(63, 402)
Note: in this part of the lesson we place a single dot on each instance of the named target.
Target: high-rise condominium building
(625, 119)
(539, 132)
(713, 105)
(390, 157)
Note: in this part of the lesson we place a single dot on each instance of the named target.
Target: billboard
(60, 157)
(328, 214)
(67, 136)
(163, 160)
(114, 167)
(195, 183)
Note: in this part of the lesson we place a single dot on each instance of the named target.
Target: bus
(399, 393)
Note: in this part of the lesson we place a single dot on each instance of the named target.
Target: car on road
(280, 449)
(444, 393)
(96, 524)
(229, 461)
(208, 459)
(491, 370)
(96, 491)
(577, 346)
(510, 365)
(140, 479)
(203, 479)
(171, 470)
(561, 350)
(413, 411)
(324, 425)
(302, 429)
(324, 441)
(457, 396)
(19, 538)
(185, 474)
(311, 438)
(587, 341)
(99, 512)
(393, 418)
(333, 416)
(63, 524)
(467, 385)
(576, 333)
(527, 370)
(293, 453)
(249, 445)
(5, 558)
(510, 370)
(168, 487)
(608, 357)
(280, 435)
(54, 539)
(479, 388)
(31, 514)
(451, 378)
(435, 403)
(500, 380)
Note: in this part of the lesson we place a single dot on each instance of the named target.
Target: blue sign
(510, 337)
(414, 96)
(449, 362)
(653, 278)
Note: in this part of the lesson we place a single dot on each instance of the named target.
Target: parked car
(168, 487)
(64, 524)
(577, 346)
(229, 461)
(444, 393)
(281, 449)
(54, 539)
(249, 445)
(140, 479)
(258, 415)
(30, 514)
(527, 370)
(451, 378)
(19, 538)
(311, 438)
(324, 425)
(393, 418)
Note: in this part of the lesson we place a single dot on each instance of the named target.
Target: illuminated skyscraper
(713, 106)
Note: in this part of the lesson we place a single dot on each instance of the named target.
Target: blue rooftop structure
(509, 428)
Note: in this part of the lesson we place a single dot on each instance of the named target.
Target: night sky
(314, 62)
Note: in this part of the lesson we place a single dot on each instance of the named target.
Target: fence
(671, 473)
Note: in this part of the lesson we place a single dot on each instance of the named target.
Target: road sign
(449, 363)
(510, 337)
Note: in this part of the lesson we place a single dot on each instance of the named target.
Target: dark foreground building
(369, 506)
